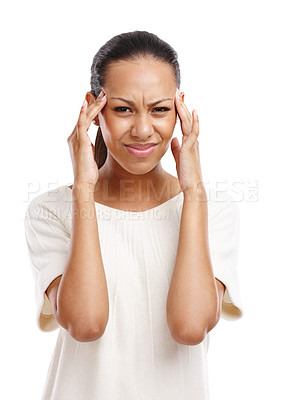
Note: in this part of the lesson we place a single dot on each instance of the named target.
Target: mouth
(141, 146)
(139, 150)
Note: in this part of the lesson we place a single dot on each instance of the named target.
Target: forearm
(82, 298)
(192, 301)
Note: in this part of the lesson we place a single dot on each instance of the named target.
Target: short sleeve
(224, 249)
(48, 244)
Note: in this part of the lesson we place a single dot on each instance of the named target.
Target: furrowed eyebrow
(132, 102)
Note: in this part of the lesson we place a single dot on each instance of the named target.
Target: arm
(79, 297)
(195, 296)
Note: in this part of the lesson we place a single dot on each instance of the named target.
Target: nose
(142, 126)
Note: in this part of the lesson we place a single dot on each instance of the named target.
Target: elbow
(195, 333)
(83, 332)
(87, 333)
(82, 329)
(190, 337)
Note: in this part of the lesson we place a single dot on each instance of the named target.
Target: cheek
(111, 128)
(114, 127)
(112, 123)
(166, 125)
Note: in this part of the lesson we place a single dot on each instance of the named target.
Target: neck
(117, 184)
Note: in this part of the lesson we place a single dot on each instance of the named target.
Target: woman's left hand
(187, 156)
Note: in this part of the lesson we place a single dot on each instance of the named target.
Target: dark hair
(127, 46)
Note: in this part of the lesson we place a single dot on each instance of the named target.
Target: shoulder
(221, 202)
(55, 201)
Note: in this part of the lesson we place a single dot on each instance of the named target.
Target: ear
(90, 98)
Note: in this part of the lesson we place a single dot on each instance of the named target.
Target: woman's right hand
(82, 150)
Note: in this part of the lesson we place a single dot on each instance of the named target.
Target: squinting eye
(159, 109)
(121, 109)
(162, 108)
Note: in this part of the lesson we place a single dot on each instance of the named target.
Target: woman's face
(135, 119)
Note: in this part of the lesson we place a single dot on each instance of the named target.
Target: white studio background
(229, 54)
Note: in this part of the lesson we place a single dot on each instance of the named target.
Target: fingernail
(100, 95)
(196, 114)
(178, 93)
(100, 98)
(84, 103)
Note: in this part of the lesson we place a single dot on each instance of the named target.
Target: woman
(134, 265)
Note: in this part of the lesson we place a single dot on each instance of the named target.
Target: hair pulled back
(127, 46)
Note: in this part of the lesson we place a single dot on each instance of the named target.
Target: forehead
(142, 75)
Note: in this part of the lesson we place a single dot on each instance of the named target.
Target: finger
(182, 102)
(193, 137)
(101, 96)
(94, 110)
(93, 150)
(175, 148)
(195, 126)
(184, 115)
(74, 132)
(81, 122)
(185, 107)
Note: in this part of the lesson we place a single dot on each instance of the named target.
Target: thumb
(175, 148)
(93, 150)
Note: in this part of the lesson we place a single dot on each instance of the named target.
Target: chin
(138, 168)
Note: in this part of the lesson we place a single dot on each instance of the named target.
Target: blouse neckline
(162, 205)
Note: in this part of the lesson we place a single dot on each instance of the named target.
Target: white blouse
(136, 358)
